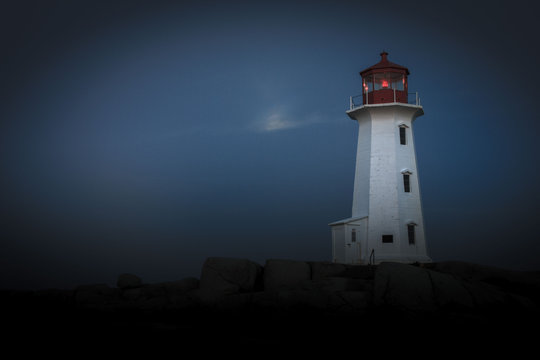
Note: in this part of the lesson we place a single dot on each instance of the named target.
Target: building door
(354, 244)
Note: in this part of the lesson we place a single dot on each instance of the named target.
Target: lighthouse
(386, 223)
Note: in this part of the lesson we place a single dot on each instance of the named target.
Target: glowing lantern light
(384, 83)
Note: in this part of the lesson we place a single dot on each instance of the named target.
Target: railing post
(417, 98)
(350, 103)
(394, 94)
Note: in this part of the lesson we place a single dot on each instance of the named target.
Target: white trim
(348, 220)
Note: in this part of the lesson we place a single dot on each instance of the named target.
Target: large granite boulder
(158, 296)
(181, 286)
(333, 284)
(97, 296)
(324, 269)
(349, 301)
(421, 289)
(449, 291)
(403, 286)
(285, 274)
(522, 283)
(229, 276)
(128, 281)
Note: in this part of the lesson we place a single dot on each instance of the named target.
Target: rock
(349, 301)
(182, 301)
(449, 291)
(178, 292)
(403, 286)
(360, 271)
(285, 274)
(323, 269)
(332, 284)
(523, 283)
(96, 296)
(153, 303)
(294, 298)
(181, 286)
(132, 294)
(54, 296)
(229, 276)
(235, 301)
(128, 281)
(484, 294)
(420, 289)
(264, 300)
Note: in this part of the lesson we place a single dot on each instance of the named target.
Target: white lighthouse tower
(386, 222)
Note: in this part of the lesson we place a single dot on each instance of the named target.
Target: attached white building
(386, 222)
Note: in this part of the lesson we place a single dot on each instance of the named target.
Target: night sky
(146, 136)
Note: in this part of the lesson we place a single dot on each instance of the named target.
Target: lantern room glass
(386, 80)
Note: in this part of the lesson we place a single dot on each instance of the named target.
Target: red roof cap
(385, 65)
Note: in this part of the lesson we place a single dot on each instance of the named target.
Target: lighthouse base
(353, 244)
(401, 259)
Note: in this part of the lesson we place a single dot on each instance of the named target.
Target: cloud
(278, 121)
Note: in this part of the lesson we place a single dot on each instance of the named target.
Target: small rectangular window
(410, 232)
(388, 238)
(406, 183)
(353, 235)
(402, 136)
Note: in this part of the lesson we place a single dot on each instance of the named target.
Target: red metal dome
(384, 82)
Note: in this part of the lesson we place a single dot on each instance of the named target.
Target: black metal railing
(372, 257)
(358, 100)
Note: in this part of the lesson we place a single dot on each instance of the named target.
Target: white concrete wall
(344, 249)
(410, 206)
(356, 251)
(360, 205)
(338, 244)
(379, 186)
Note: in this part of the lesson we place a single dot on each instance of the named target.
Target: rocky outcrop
(128, 281)
(230, 276)
(285, 274)
(417, 289)
(238, 302)
(457, 288)
(241, 284)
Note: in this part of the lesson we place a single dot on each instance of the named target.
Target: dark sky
(145, 136)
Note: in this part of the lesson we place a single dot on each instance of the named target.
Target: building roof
(384, 65)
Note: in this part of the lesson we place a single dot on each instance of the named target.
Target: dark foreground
(392, 310)
(48, 326)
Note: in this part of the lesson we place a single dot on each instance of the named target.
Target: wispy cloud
(276, 122)
(279, 120)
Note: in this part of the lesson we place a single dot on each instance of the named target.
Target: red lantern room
(384, 82)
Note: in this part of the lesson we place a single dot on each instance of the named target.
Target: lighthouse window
(410, 232)
(398, 82)
(402, 136)
(353, 235)
(406, 183)
(388, 238)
